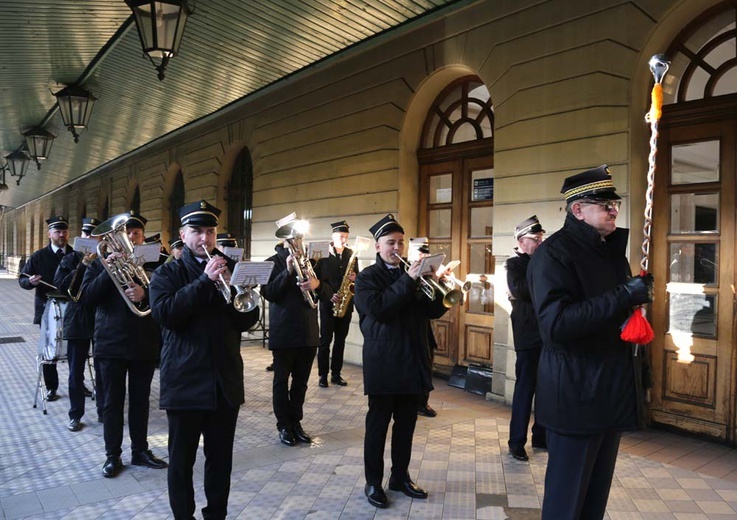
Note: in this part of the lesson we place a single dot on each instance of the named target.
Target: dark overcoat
(292, 322)
(119, 333)
(43, 262)
(588, 378)
(201, 334)
(524, 321)
(79, 319)
(395, 321)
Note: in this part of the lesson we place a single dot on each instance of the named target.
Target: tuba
(292, 237)
(123, 271)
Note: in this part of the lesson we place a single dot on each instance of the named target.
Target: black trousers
(77, 352)
(403, 408)
(579, 475)
(140, 373)
(524, 392)
(330, 327)
(288, 401)
(217, 428)
(99, 388)
(426, 394)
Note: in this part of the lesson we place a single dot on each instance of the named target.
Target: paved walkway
(460, 457)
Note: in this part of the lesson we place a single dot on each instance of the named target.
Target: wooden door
(456, 212)
(694, 268)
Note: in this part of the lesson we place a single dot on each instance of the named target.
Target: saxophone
(345, 293)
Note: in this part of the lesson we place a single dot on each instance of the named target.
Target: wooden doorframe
(705, 119)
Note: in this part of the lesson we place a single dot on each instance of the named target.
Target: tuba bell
(123, 271)
(292, 236)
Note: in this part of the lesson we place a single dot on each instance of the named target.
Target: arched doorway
(456, 202)
(693, 353)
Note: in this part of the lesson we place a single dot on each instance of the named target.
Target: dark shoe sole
(400, 488)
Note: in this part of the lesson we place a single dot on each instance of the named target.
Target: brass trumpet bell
(246, 300)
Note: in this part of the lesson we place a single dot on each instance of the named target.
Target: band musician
(126, 347)
(332, 272)
(38, 273)
(201, 365)
(395, 319)
(79, 322)
(293, 338)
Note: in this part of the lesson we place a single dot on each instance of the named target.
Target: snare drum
(51, 343)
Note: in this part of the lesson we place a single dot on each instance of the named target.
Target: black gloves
(640, 289)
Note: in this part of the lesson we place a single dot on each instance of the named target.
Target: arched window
(136, 201)
(462, 112)
(240, 201)
(176, 201)
(703, 56)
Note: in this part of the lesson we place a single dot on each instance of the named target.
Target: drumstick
(45, 283)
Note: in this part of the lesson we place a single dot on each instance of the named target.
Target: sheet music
(430, 264)
(145, 253)
(318, 250)
(236, 253)
(249, 274)
(85, 245)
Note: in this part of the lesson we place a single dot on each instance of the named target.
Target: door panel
(693, 264)
(456, 214)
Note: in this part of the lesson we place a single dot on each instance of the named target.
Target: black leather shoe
(87, 392)
(287, 437)
(112, 467)
(146, 458)
(74, 425)
(323, 383)
(376, 496)
(519, 453)
(51, 395)
(270, 368)
(409, 488)
(301, 435)
(337, 380)
(426, 411)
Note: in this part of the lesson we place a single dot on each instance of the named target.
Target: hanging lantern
(160, 26)
(18, 163)
(39, 143)
(3, 186)
(75, 105)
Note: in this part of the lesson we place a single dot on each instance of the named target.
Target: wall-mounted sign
(483, 189)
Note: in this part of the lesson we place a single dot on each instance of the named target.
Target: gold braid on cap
(193, 213)
(592, 186)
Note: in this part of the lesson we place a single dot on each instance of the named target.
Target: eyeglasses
(608, 205)
(534, 239)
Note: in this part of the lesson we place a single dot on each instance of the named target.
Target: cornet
(431, 288)
(222, 285)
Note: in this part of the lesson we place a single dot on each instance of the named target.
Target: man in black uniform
(125, 344)
(201, 365)
(589, 386)
(79, 322)
(175, 247)
(527, 341)
(41, 267)
(226, 240)
(395, 319)
(293, 341)
(331, 271)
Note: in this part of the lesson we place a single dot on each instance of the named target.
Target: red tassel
(637, 329)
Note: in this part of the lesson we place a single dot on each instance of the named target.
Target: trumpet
(431, 288)
(222, 285)
(451, 282)
(247, 299)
